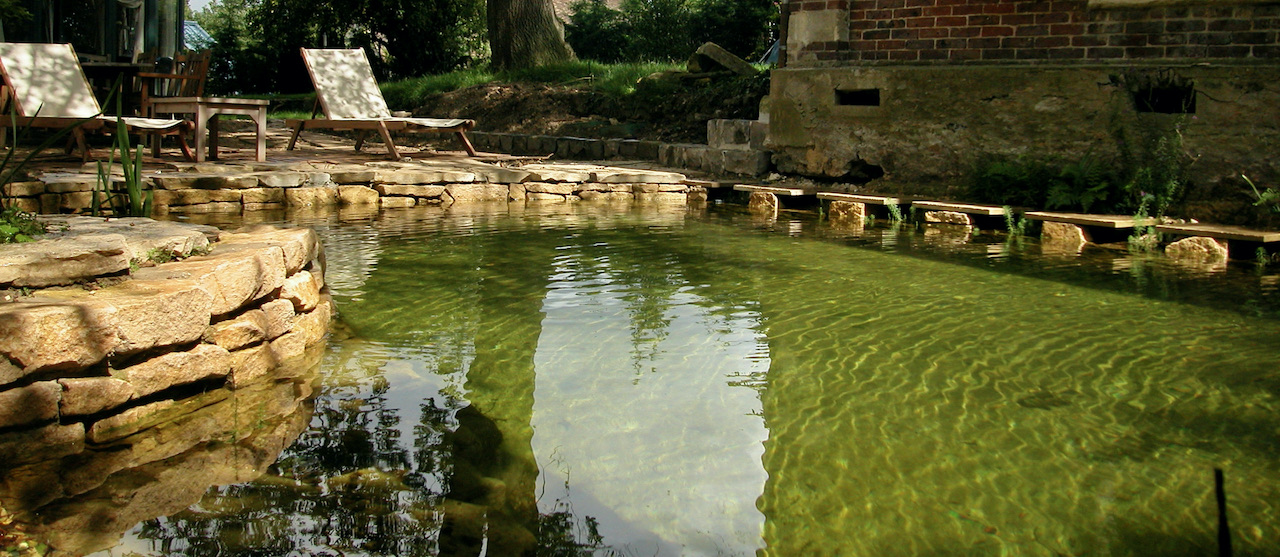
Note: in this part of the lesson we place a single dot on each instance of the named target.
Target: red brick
(969, 9)
(1185, 26)
(1185, 51)
(904, 55)
(1254, 37)
(996, 31)
(1105, 52)
(933, 54)
(1017, 19)
(891, 44)
(1032, 53)
(984, 20)
(1230, 25)
(934, 33)
(1144, 52)
(920, 22)
(1017, 42)
(999, 8)
(1087, 40)
(952, 21)
(1066, 54)
(875, 34)
(1053, 18)
(1211, 38)
(920, 44)
(966, 31)
(1167, 39)
(883, 4)
(993, 42)
(1128, 40)
(998, 54)
(1034, 7)
(1052, 42)
(966, 54)
(937, 11)
(1144, 27)
(905, 13)
(950, 44)
(904, 34)
(1067, 29)
(1232, 51)
(1269, 52)
(1032, 30)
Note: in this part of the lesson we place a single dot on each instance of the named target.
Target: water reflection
(575, 380)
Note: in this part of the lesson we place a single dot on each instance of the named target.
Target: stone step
(1081, 219)
(740, 135)
(1220, 232)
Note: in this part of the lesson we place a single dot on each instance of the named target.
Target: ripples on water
(563, 380)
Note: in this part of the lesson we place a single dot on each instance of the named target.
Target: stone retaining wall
(710, 158)
(95, 362)
(220, 188)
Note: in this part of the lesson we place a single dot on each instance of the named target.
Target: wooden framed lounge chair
(349, 97)
(189, 73)
(48, 89)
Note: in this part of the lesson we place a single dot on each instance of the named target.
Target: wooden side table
(207, 111)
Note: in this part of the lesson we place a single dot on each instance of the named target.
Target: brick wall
(976, 31)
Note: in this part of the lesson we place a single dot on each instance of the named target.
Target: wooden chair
(349, 96)
(190, 70)
(48, 89)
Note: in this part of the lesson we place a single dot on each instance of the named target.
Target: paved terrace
(325, 170)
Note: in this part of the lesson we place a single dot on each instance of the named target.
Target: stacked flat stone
(101, 361)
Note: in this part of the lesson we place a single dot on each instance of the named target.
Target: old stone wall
(920, 129)
(135, 344)
(837, 32)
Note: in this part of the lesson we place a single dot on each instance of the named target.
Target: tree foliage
(258, 40)
(669, 29)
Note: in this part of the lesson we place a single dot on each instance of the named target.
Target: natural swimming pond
(568, 380)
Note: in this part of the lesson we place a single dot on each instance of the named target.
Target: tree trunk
(525, 33)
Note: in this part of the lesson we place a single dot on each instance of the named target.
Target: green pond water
(566, 380)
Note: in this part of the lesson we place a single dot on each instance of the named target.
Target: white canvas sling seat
(48, 89)
(349, 96)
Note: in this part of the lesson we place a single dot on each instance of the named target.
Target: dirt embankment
(663, 108)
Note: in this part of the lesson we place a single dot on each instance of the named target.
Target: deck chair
(190, 71)
(351, 100)
(48, 89)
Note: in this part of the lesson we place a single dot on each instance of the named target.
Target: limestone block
(516, 192)
(280, 179)
(303, 290)
(234, 334)
(69, 183)
(847, 213)
(559, 172)
(262, 195)
(233, 276)
(9, 372)
(545, 197)
(73, 328)
(314, 325)
(206, 208)
(63, 260)
(748, 163)
(712, 57)
(736, 134)
(205, 361)
(558, 189)
(357, 195)
(411, 191)
(301, 246)
(319, 180)
(763, 203)
(397, 202)
(90, 395)
(75, 201)
(648, 150)
(415, 176)
(278, 316)
(353, 176)
(28, 204)
(633, 176)
(187, 181)
(606, 196)
(250, 364)
(46, 443)
(662, 198)
(1198, 248)
(1062, 234)
(657, 188)
(593, 186)
(192, 197)
(31, 404)
(948, 217)
(49, 203)
(500, 175)
(465, 193)
(24, 189)
(250, 207)
(288, 346)
(143, 417)
(311, 197)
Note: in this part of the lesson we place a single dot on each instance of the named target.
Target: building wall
(911, 93)
(967, 31)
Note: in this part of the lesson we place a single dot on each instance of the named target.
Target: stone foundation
(119, 343)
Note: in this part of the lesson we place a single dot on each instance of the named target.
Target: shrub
(596, 31)
(668, 29)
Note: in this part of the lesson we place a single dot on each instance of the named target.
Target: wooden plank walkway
(1220, 232)
(1080, 219)
(967, 208)
(858, 198)
(789, 192)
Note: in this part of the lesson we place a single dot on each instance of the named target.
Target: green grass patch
(610, 79)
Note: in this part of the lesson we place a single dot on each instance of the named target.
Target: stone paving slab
(858, 198)
(1221, 232)
(968, 208)
(790, 192)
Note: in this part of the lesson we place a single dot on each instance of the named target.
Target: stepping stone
(788, 192)
(981, 210)
(858, 198)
